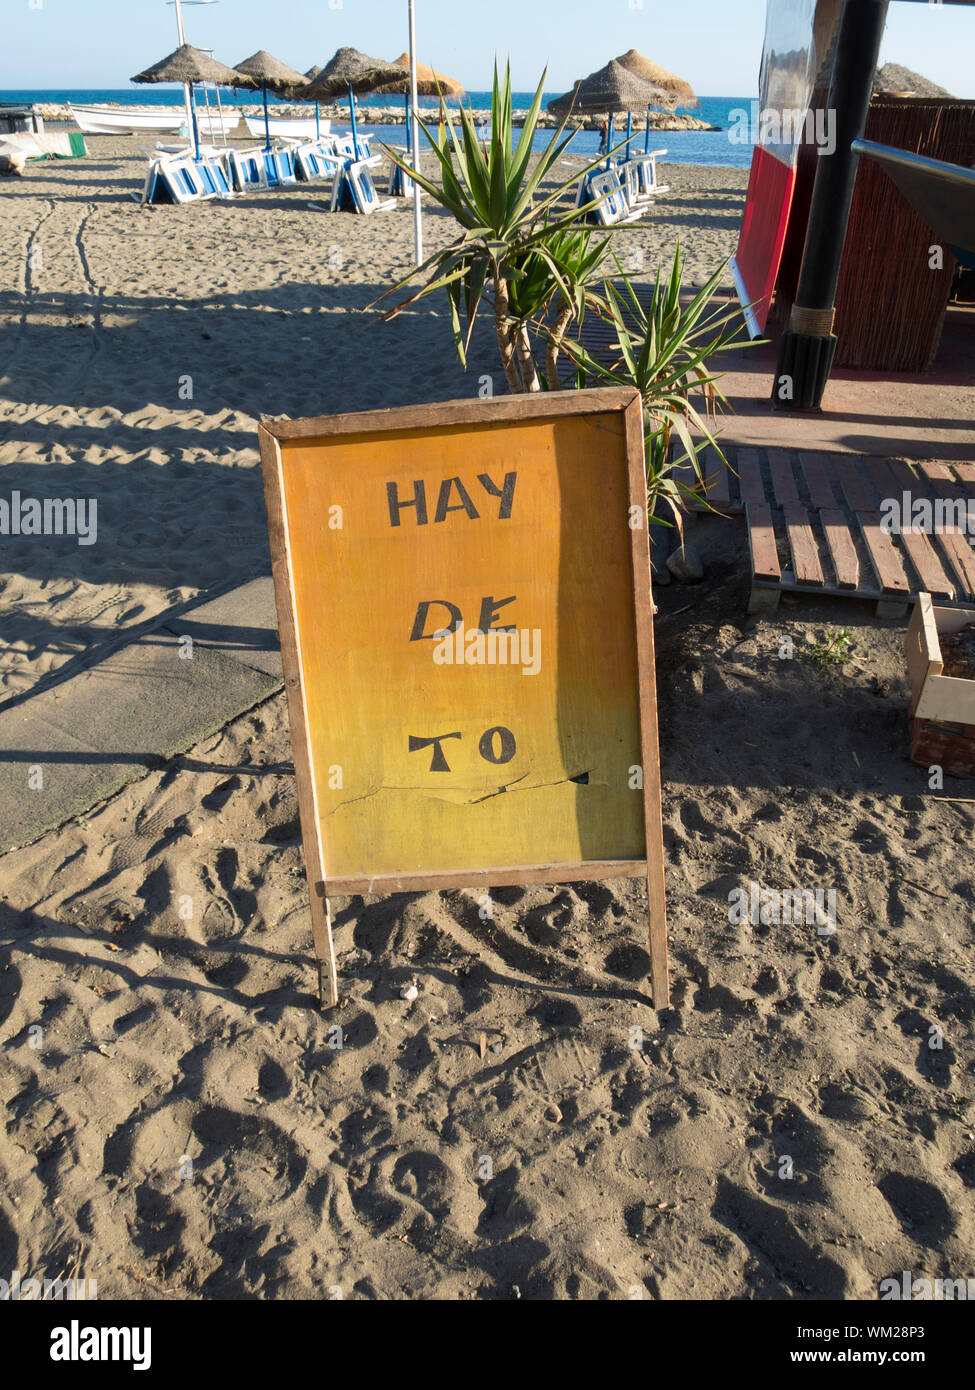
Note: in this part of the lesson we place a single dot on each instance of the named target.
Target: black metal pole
(807, 347)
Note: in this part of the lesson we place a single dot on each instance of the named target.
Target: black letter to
(418, 500)
(439, 762)
(486, 745)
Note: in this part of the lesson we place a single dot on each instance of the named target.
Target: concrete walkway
(77, 742)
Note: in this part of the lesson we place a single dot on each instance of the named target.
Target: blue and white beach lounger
(365, 197)
(248, 171)
(605, 188)
(279, 165)
(175, 180)
(646, 164)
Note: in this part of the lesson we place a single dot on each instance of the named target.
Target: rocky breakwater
(396, 115)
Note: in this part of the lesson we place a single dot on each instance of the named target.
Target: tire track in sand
(65, 227)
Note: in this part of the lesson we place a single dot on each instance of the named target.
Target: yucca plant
(547, 307)
(664, 351)
(513, 244)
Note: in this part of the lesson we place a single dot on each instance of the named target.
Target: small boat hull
(283, 128)
(121, 120)
(214, 126)
(116, 120)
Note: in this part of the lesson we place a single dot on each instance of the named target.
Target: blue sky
(715, 44)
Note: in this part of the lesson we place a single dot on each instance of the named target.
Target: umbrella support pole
(196, 126)
(355, 136)
(417, 209)
(206, 103)
(188, 103)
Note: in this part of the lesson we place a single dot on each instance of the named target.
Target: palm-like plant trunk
(559, 330)
(526, 360)
(503, 333)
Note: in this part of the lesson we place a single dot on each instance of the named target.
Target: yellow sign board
(464, 606)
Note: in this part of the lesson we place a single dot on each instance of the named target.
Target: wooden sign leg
(657, 912)
(321, 925)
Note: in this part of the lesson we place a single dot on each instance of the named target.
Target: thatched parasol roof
(613, 88)
(429, 83)
(681, 92)
(296, 93)
(268, 71)
(559, 106)
(188, 64)
(350, 68)
(894, 81)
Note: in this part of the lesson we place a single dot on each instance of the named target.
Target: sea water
(707, 147)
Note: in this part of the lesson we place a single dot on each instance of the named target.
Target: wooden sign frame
(273, 434)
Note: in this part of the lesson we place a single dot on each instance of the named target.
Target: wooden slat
(851, 478)
(686, 477)
(761, 542)
(927, 564)
(647, 695)
(311, 837)
(966, 472)
(451, 879)
(591, 401)
(816, 473)
(907, 479)
(956, 554)
(882, 476)
(962, 558)
(842, 547)
(750, 475)
(935, 471)
(718, 477)
(942, 483)
(883, 555)
(783, 479)
(802, 543)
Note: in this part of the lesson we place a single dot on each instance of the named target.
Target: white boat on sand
(138, 120)
(126, 120)
(285, 128)
(214, 125)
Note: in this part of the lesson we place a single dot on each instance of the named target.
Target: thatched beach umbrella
(297, 91)
(349, 68)
(350, 71)
(190, 66)
(611, 89)
(429, 83)
(681, 92)
(269, 72)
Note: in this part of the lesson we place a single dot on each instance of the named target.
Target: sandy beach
(184, 1125)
